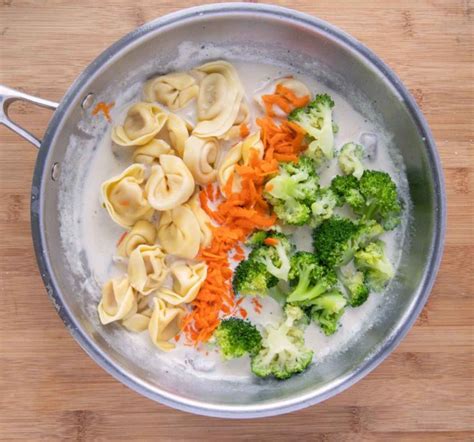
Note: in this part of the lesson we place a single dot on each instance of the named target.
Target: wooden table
(50, 389)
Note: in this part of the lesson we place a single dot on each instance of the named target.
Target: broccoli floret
(335, 241)
(323, 207)
(346, 189)
(350, 159)
(374, 196)
(327, 309)
(356, 289)
(283, 352)
(292, 191)
(257, 238)
(275, 257)
(316, 120)
(236, 337)
(381, 199)
(309, 279)
(252, 278)
(374, 263)
(368, 231)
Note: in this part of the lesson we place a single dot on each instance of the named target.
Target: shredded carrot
(103, 108)
(244, 130)
(283, 98)
(256, 305)
(271, 241)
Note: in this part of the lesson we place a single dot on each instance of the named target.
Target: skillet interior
(243, 31)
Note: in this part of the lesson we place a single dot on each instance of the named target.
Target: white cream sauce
(99, 233)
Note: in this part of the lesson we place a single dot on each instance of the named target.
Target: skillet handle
(7, 97)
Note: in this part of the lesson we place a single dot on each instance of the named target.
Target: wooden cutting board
(51, 390)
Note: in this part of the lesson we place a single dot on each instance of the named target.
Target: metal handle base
(7, 97)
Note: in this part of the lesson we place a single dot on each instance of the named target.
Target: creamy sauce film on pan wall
(100, 234)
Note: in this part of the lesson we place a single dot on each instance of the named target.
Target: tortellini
(174, 90)
(143, 232)
(178, 132)
(139, 321)
(242, 117)
(142, 123)
(119, 301)
(200, 156)
(203, 220)
(147, 268)
(150, 152)
(170, 183)
(219, 100)
(187, 280)
(179, 232)
(124, 198)
(240, 153)
(165, 323)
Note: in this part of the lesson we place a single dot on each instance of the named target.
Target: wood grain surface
(51, 390)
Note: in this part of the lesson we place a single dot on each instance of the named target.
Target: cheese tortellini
(165, 323)
(142, 123)
(178, 132)
(200, 156)
(242, 117)
(143, 232)
(203, 220)
(174, 90)
(187, 280)
(147, 268)
(239, 154)
(124, 198)
(179, 232)
(170, 183)
(219, 100)
(119, 301)
(139, 321)
(150, 152)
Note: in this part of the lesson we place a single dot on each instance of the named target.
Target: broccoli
(356, 289)
(237, 337)
(346, 189)
(374, 196)
(324, 205)
(327, 309)
(252, 278)
(257, 238)
(309, 279)
(276, 258)
(381, 199)
(316, 120)
(374, 263)
(292, 191)
(335, 241)
(350, 159)
(283, 353)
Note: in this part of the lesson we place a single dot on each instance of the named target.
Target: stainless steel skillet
(291, 38)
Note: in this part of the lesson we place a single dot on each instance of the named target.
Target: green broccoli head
(346, 189)
(292, 191)
(350, 159)
(375, 265)
(283, 353)
(236, 337)
(256, 238)
(275, 257)
(356, 288)
(381, 198)
(308, 278)
(327, 309)
(252, 278)
(323, 207)
(335, 241)
(316, 120)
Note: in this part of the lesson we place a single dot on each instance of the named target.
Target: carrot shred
(244, 130)
(103, 108)
(271, 241)
(122, 237)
